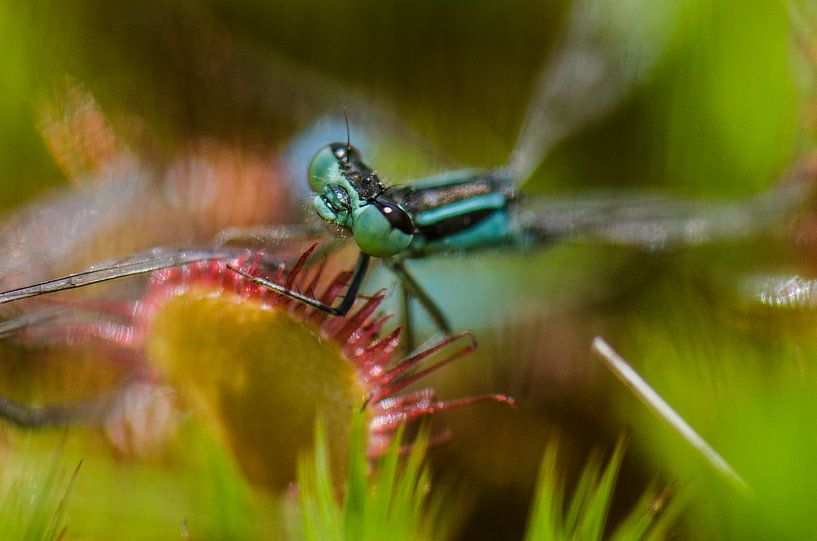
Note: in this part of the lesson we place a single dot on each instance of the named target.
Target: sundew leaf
(246, 359)
(254, 369)
(237, 351)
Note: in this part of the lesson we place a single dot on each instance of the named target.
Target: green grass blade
(34, 505)
(322, 516)
(55, 529)
(594, 514)
(390, 503)
(545, 523)
(357, 486)
(581, 495)
(587, 510)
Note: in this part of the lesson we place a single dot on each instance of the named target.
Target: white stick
(659, 406)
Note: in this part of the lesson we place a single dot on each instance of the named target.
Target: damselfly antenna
(348, 136)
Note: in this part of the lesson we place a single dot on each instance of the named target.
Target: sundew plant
(655, 162)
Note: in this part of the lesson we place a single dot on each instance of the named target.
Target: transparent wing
(39, 239)
(13, 327)
(158, 258)
(36, 240)
(607, 48)
(784, 291)
(655, 221)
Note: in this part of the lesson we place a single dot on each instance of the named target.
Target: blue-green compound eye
(382, 229)
(324, 169)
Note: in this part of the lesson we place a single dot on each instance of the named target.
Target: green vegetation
(33, 503)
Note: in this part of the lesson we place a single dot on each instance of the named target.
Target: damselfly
(468, 210)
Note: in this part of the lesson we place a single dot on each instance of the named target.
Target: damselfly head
(349, 194)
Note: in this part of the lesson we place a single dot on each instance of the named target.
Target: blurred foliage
(749, 387)
(584, 515)
(394, 500)
(195, 491)
(33, 500)
(718, 115)
(394, 503)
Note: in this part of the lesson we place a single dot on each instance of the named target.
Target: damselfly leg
(411, 289)
(355, 281)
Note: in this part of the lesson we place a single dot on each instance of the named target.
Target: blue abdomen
(458, 211)
(481, 228)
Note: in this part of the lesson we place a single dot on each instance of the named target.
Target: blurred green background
(724, 111)
(719, 113)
